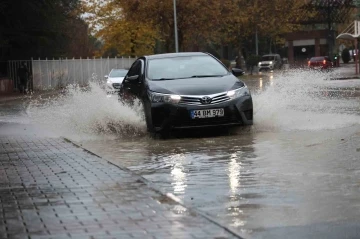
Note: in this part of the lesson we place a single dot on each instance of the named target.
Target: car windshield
(118, 73)
(267, 58)
(184, 67)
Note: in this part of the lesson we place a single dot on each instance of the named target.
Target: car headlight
(259, 64)
(166, 98)
(109, 81)
(243, 91)
(271, 62)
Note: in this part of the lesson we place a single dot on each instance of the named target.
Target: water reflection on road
(295, 171)
(253, 181)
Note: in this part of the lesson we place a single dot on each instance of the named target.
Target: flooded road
(295, 172)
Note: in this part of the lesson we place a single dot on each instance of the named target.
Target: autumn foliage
(135, 27)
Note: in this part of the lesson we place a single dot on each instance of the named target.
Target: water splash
(295, 100)
(79, 112)
(306, 100)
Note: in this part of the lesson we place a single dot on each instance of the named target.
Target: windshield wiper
(194, 76)
(201, 76)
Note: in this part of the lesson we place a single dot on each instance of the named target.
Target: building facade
(302, 45)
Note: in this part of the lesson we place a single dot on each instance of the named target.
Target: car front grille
(264, 64)
(116, 85)
(196, 100)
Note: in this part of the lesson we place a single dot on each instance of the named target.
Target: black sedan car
(188, 90)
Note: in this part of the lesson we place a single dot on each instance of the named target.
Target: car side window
(135, 68)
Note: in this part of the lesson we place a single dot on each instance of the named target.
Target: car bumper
(170, 116)
(113, 88)
(323, 67)
(269, 67)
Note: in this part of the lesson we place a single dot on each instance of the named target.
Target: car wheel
(148, 118)
(162, 134)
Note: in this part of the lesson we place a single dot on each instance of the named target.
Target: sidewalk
(11, 96)
(346, 72)
(50, 188)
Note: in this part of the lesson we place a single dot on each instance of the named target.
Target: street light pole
(175, 29)
(256, 42)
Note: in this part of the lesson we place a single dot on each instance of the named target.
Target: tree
(198, 23)
(278, 17)
(41, 28)
(328, 12)
(120, 33)
(271, 19)
(252, 61)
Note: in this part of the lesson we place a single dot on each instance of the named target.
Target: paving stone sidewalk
(49, 188)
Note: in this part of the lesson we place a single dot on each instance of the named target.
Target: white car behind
(114, 80)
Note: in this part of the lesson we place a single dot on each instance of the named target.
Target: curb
(346, 78)
(26, 97)
(13, 98)
(153, 187)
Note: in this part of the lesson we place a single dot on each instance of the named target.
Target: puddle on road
(291, 168)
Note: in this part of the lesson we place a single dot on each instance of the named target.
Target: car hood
(196, 86)
(116, 79)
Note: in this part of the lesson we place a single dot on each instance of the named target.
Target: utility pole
(256, 31)
(256, 42)
(330, 30)
(175, 29)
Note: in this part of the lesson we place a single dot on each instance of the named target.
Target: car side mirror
(106, 76)
(237, 72)
(132, 78)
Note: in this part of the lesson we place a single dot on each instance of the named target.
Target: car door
(132, 84)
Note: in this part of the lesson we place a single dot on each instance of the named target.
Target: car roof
(179, 54)
(318, 56)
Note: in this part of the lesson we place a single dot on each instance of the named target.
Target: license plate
(209, 113)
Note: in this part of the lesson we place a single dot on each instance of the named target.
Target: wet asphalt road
(295, 172)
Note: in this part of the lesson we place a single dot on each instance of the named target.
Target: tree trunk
(239, 60)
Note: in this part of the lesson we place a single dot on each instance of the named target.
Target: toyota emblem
(205, 100)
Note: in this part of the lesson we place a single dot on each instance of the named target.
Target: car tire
(162, 134)
(148, 118)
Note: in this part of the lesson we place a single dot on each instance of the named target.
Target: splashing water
(304, 100)
(87, 112)
(295, 100)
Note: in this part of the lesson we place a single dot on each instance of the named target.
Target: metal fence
(12, 72)
(50, 74)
